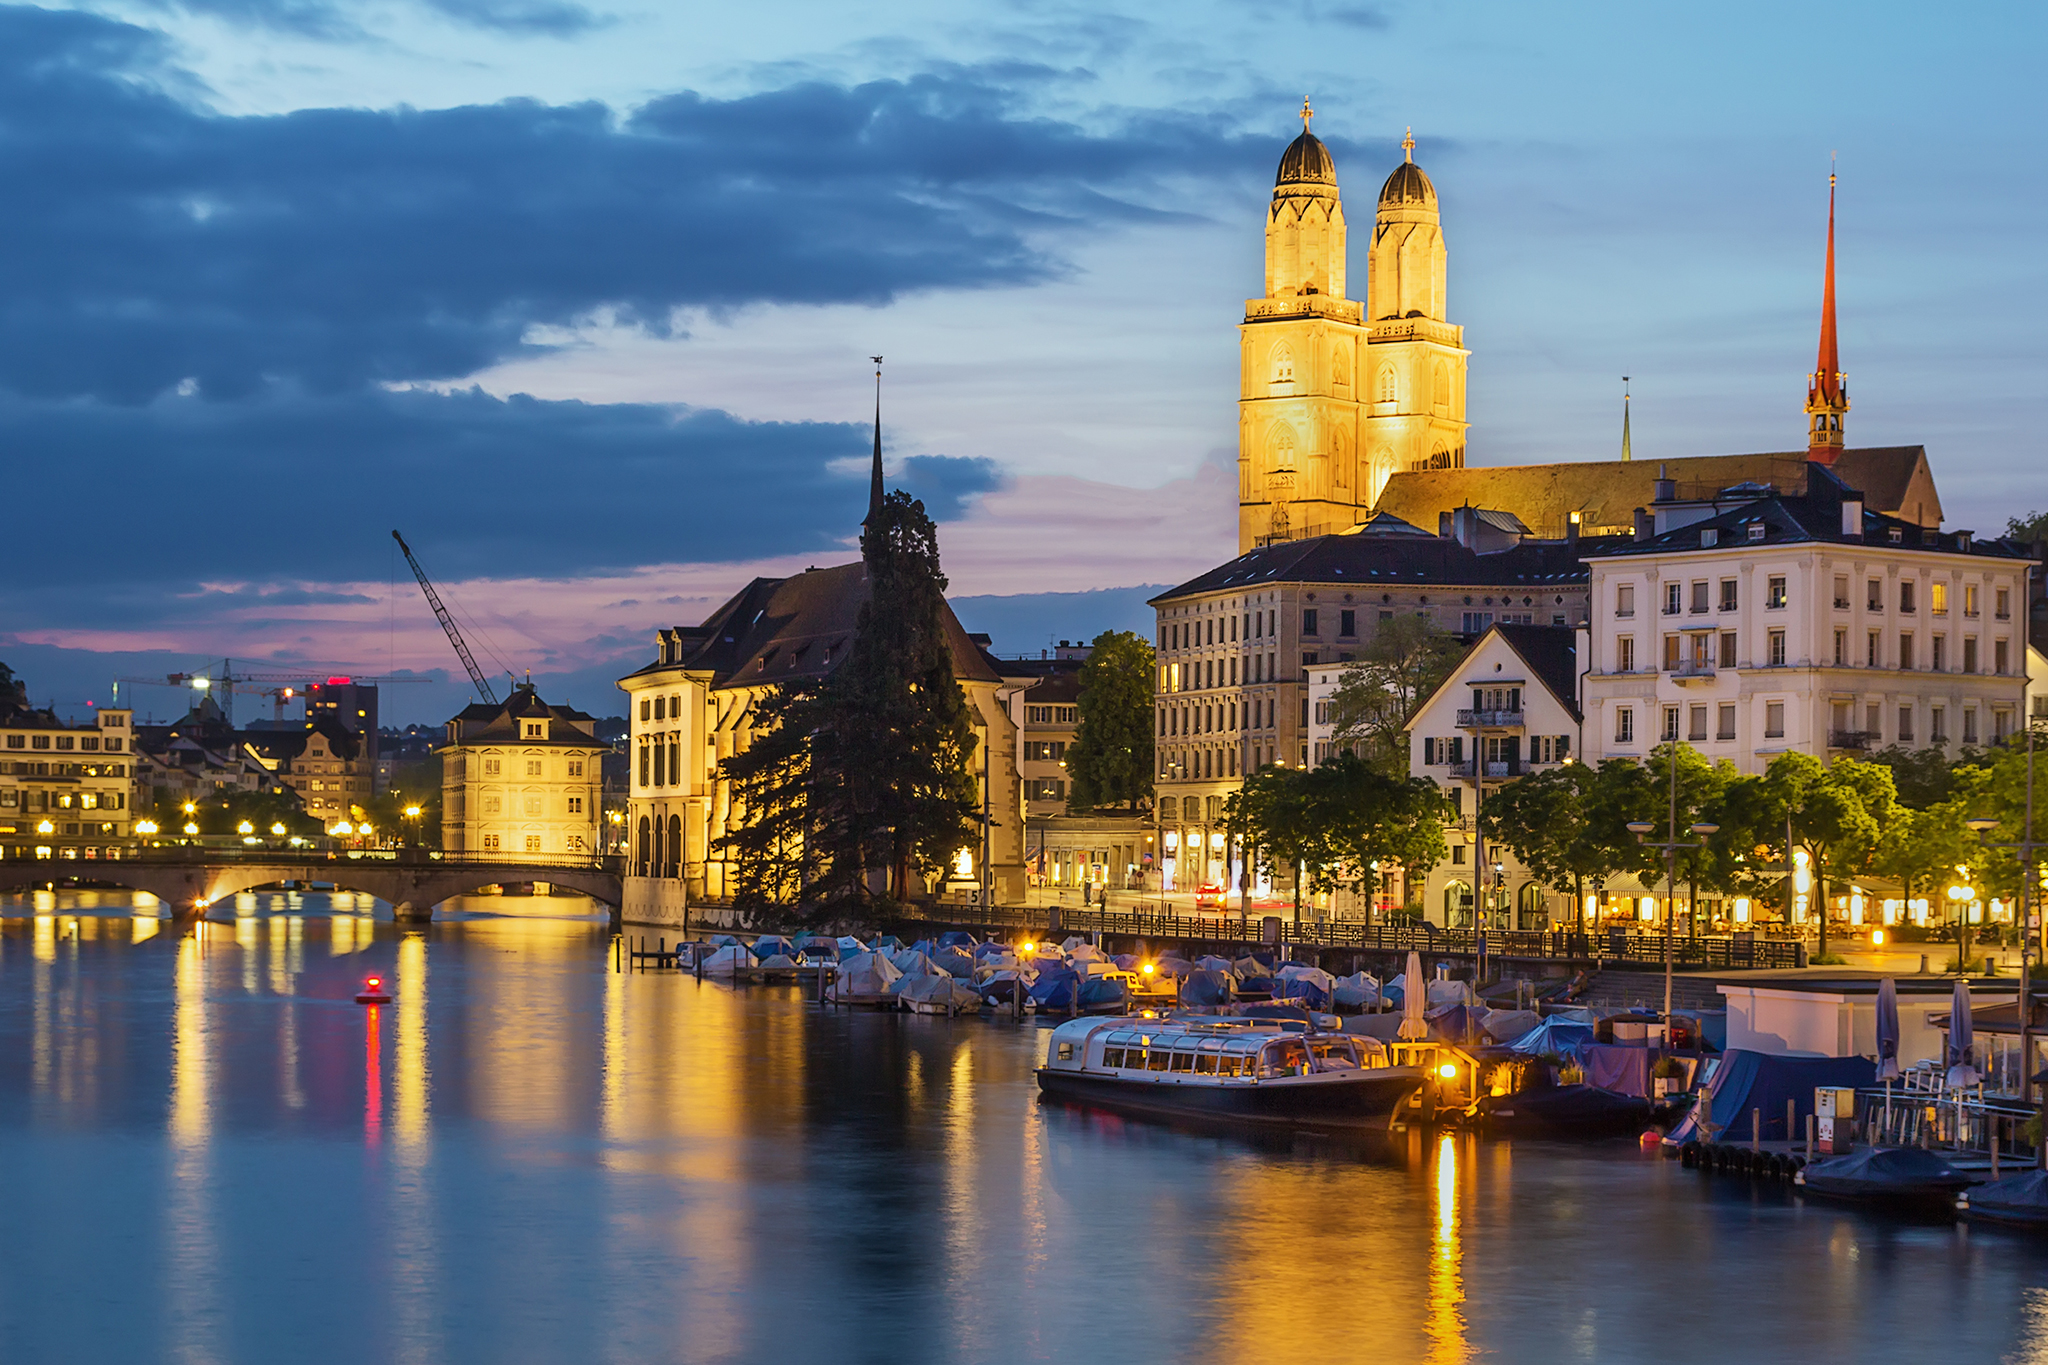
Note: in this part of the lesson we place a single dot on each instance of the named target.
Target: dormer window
(1756, 530)
(536, 729)
(1898, 536)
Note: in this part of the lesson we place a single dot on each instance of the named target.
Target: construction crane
(476, 675)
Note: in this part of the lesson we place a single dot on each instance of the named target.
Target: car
(1209, 897)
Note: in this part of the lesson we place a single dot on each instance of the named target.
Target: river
(214, 1154)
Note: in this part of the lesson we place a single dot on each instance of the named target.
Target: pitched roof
(1896, 480)
(800, 628)
(1392, 561)
(484, 723)
(1552, 655)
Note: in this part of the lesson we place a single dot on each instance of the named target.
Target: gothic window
(1386, 384)
(1340, 368)
(1340, 458)
(1283, 365)
(1443, 385)
(1283, 446)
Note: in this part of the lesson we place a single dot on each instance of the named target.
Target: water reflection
(527, 1157)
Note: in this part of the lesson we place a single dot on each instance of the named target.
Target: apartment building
(66, 791)
(521, 778)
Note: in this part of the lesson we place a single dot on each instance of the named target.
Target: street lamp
(1642, 830)
(412, 813)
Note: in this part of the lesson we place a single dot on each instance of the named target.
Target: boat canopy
(1748, 1080)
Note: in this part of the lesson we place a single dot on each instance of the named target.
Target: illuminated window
(1774, 596)
(533, 843)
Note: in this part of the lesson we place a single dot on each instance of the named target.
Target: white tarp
(864, 974)
(727, 960)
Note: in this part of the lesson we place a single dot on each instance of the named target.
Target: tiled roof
(1392, 561)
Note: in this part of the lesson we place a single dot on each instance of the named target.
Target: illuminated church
(1337, 394)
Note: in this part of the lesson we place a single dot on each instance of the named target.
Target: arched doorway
(675, 846)
(1532, 907)
(1457, 904)
(643, 848)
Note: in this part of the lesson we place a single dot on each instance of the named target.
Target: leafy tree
(1110, 761)
(2028, 530)
(1839, 814)
(1543, 819)
(415, 784)
(1406, 661)
(1358, 815)
(1923, 777)
(1267, 817)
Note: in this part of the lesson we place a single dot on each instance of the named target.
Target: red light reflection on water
(373, 1081)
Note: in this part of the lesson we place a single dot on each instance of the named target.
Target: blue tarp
(1756, 1080)
(1302, 991)
(1204, 988)
(1102, 992)
(954, 962)
(957, 938)
(1565, 1037)
(768, 945)
(1255, 985)
(1054, 989)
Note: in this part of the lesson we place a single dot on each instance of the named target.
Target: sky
(580, 295)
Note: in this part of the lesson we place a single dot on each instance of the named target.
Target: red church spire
(1827, 393)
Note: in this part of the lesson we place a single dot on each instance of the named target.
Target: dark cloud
(303, 490)
(148, 242)
(327, 20)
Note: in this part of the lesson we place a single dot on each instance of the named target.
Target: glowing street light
(245, 828)
(277, 828)
(145, 827)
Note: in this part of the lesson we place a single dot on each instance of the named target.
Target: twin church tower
(1338, 395)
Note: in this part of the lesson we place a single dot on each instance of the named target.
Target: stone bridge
(415, 881)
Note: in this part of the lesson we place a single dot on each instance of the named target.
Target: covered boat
(1358, 991)
(1056, 989)
(1564, 1111)
(864, 978)
(939, 994)
(1555, 1036)
(727, 961)
(2020, 1200)
(1206, 987)
(1887, 1175)
(772, 945)
(954, 961)
(1241, 1073)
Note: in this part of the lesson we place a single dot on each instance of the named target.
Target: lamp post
(412, 813)
(1671, 844)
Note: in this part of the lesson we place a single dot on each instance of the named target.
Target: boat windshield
(1288, 1057)
(1336, 1054)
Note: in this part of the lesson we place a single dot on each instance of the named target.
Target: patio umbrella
(1414, 1000)
(1887, 1031)
(1961, 1039)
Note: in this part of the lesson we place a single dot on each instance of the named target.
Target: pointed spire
(1627, 452)
(1827, 393)
(875, 484)
(1408, 145)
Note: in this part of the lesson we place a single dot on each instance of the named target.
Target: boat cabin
(1205, 1052)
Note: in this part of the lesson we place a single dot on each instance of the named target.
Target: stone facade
(521, 779)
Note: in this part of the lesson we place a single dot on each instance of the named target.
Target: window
(492, 767)
(1841, 648)
(1775, 597)
(2004, 604)
(533, 843)
(1727, 594)
(1699, 596)
(1387, 387)
(1476, 622)
(575, 805)
(492, 805)
(1045, 750)
(1873, 598)
(533, 805)
(1308, 622)
(1774, 720)
(2000, 664)
(1937, 598)
(645, 780)
(1625, 654)
(1938, 654)
(1871, 651)
(16, 741)
(1777, 656)
(2001, 726)
(1671, 653)
(533, 767)
(1725, 721)
(490, 843)
(1347, 623)
(646, 708)
(1969, 599)
(1670, 731)
(1905, 594)
(1727, 649)
(1756, 530)
(575, 767)
(536, 729)
(63, 741)
(1625, 600)
(1673, 593)
(1906, 724)
(1697, 729)
(1969, 725)
(1937, 723)
(1969, 654)
(1625, 726)
(1906, 649)
(1842, 591)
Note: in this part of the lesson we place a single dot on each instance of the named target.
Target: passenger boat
(1256, 1073)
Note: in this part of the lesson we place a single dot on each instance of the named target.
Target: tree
(2031, 529)
(865, 772)
(1267, 817)
(1406, 661)
(1923, 777)
(1359, 818)
(1110, 761)
(1839, 814)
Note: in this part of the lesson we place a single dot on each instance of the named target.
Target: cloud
(305, 489)
(324, 20)
(151, 245)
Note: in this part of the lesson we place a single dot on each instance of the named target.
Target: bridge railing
(189, 855)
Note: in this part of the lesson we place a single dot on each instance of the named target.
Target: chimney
(1646, 525)
(1667, 487)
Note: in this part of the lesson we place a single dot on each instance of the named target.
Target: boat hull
(1356, 1102)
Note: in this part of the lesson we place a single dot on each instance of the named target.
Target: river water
(213, 1154)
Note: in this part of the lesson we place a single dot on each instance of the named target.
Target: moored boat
(1900, 1176)
(1240, 1072)
(2017, 1200)
(1564, 1111)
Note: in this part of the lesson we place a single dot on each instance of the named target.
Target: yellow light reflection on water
(1446, 1318)
(409, 1083)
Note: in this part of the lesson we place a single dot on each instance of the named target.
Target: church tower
(1416, 387)
(1300, 350)
(1827, 388)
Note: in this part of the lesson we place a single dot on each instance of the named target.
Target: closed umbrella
(1962, 1039)
(1414, 1000)
(1888, 1030)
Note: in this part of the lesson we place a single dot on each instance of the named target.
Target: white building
(1507, 709)
(1759, 622)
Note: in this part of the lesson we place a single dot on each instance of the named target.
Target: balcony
(1458, 770)
(1489, 720)
(1858, 740)
(1692, 671)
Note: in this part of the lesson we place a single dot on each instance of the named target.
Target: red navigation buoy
(373, 992)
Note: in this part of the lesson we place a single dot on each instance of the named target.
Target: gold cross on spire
(1306, 114)
(1408, 145)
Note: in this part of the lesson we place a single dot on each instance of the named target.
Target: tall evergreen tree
(892, 792)
(769, 843)
(1110, 761)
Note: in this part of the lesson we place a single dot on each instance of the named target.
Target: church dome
(1306, 160)
(1407, 185)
